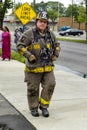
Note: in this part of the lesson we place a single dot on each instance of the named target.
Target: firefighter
(40, 48)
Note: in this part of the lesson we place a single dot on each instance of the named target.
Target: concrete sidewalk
(68, 108)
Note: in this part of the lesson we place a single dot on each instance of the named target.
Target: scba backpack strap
(37, 36)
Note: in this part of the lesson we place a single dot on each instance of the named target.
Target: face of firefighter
(41, 25)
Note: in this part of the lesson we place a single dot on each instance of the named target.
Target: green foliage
(15, 56)
(52, 6)
(16, 6)
(72, 10)
(52, 14)
(40, 6)
(72, 40)
(77, 12)
(7, 4)
(81, 14)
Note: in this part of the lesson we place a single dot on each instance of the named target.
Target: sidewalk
(68, 108)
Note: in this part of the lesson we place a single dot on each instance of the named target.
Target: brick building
(67, 21)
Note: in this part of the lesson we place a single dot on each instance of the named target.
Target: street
(74, 56)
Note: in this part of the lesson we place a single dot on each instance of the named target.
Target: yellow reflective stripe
(40, 69)
(23, 50)
(48, 68)
(36, 46)
(58, 48)
(37, 70)
(48, 45)
(44, 101)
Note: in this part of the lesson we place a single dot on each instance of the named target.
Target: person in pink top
(6, 44)
(0, 37)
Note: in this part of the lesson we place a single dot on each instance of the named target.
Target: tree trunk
(79, 25)
(1, 23)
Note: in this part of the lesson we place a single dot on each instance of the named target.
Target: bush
(17, 56)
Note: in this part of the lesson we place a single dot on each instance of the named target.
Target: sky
(65, 2)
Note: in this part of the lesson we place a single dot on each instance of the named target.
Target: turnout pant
(36, 95)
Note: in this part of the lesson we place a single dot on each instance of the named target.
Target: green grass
(72, 40)
(16, 56)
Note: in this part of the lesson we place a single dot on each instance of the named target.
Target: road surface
(73, 56)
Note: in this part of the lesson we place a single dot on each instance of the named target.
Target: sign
(25, 13)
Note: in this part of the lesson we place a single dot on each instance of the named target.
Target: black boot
(35, 113)
(45, 112)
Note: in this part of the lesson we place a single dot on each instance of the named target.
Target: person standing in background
(18, 32)
(6, 44)
(0, 38)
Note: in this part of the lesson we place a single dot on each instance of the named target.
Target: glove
(54, 58)
(32, 58)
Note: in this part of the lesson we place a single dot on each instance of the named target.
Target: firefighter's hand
(32, 58)
(54, 58)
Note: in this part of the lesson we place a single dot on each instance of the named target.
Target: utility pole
(34, 3)
(86, 20)
(58, 17)
(72, 15)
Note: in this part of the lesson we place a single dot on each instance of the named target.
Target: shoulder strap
(36, 34)
(51, 38)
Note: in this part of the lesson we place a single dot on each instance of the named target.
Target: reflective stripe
(44, 101)
(38, 46)
(23, 50)
(48, 45)
(48, 68)
(34, 46)
(40, 69)
(58, 48)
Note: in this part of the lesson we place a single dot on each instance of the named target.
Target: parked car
(73, 32)
(64, 28)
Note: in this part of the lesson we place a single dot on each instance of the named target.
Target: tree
(56, 6)
(81, 15)
(77, 12)
(7, 4)
(52, 15)
(16, 6)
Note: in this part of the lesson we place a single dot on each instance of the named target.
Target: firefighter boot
(45, 112)
(34, 112)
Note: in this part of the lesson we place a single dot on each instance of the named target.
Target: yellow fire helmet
(43, 16)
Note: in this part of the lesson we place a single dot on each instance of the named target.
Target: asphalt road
(73, 56)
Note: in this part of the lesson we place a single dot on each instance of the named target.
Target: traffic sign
(25, 13)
